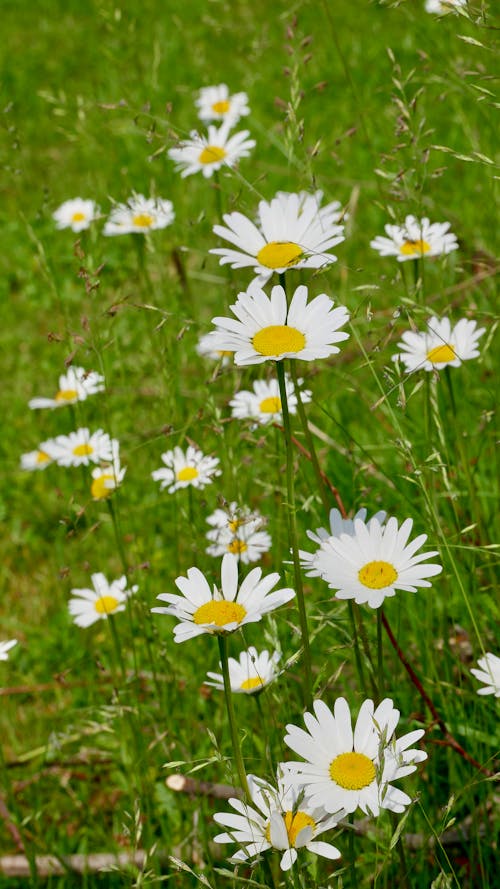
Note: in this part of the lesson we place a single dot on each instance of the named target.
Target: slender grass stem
(380, 655)
(357, 650)
(352, 855)
(309, 439)
(238, 758)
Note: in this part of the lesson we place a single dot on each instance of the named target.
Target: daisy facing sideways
(107, 477)
(293, 232)
(90, 605)
(202, 609)
(374, 561)
(489, 674)
(264, 404)
(238, 531)
(75, 385)
(182, 470)
(268, 329)
(338, 526)
(76, 214)
(414, 239)
(206, 154)
(346, 769)
(250, 674)
(80, 448)
(5, 647)
(204, 347)
(277, 819)
(139, 215)
(216, 103)
(441, 345)
(36, 460)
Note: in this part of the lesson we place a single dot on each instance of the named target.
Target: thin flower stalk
(238, 758)
(309, 439)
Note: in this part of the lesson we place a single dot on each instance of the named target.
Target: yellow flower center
(187, 474)
(414, 248)
(66, 395)
(106, 605)
(377, 575)
(221, 107)
(219, 613)
(99, 489)
(143, 220)
(234, 524)
(440, 354)
(280, 255)
(236, 547)
(78, 216)
(254, 682)
(83, 450)
(294, 823)
(278, 339)
(271, 405)
(352, 771)
(42, 457)
(212, 154)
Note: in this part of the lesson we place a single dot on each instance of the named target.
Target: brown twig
(11, 827)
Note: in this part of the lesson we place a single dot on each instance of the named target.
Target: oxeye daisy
(216, 103)
(238, 531)
(249, 674)
(80, 448)
(75, 385)
(263, 404)
(276, 820)
(90, 605)
(182, 470)
(205, 348)
(374, 561)
(443, 7)
(489, 674)
(108, 477)
(414, 239)
(206, 154)
(202, 609)
(350, 770)
(139, 215)
(39, 459)
(5, 647)
(338, 526)
(293, 231)
(268, 329)
(76, 214)
(441, 345)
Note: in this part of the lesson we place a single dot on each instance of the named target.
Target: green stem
(238, 758)
(380, 658)
(357, 650)
(352, 857)
(309, 439)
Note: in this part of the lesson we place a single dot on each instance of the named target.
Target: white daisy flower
(440, 345)
(205, 348)
(216, 103)
(89, 606)
(350, 770)
(264, 403)
(374, 561)
(75, 385)
(237, 530)
(139, 215)
(108, 477)
(5, 647)
(184, 469)
(489, 673)
(76, 214)
(338, 526)
(443, 7)
(39, 459)
(250, 674)
(206, 154)
(293, 231)
(80, 448)
(416, 238)
(278, 820)
(267, 329)
(201, 609)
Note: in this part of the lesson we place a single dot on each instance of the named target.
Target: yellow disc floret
(219, 613)
(271, 405)
(254, 682)
(295, 822)
(42, 457)
(280, 255)
(352, 771)
(212, 154)
(100, 489)
(377, 575)
(78, 216)
(66, 395)
(278, 339)
(187, 474)
(106, 605)
(83, 450)
(441, 354)
(414, 248)
(143, 220)
(221, 107)
(237, 547)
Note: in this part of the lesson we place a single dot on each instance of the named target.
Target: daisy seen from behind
(268, 329)
(374, 561)
(205, 609)
(75, 385)
(239, 531)
(5, 647)
(87, 606)
(80, 448)
(293, 231)
(441, 345)
(489, 674)
(263, 404)
(277, 819)
(139, 215)
(346, 769)
(205, 348)
(76, 214)
(217, 103)
(249, 674)
(184, 469)
(207, 154)
(415, 239)
(338, 526)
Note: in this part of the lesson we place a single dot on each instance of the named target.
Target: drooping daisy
(250, 674)
(293, 231)
(216, 103)
(489, 673)
(351, 770)
(440, 345)
(278, 819)
(201, 609)
(184, 469)
(76, 214)
(75, 385)
(338, 526)
(88, 606)
(237, 530)
(443, 7)
(80, 448)
(267, 329)
(206, 154)
(374, 561)
(5, 647)
(108, 477)
(264, 403)
(39, 459)
(139, 215)
(416, 238)
(204, 347)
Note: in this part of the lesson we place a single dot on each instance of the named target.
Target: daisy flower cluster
(237, 530)
(138, 215)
